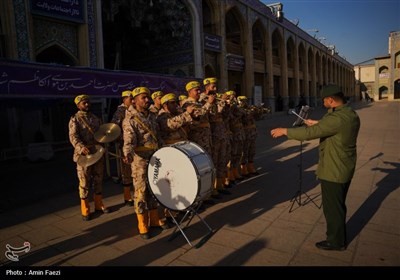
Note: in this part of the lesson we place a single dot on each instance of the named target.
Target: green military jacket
(338, 131)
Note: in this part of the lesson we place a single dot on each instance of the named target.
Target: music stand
(301, 117)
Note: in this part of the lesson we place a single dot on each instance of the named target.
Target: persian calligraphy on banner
(72, 10)
(21, 79)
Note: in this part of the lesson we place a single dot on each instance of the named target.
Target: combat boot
(127, 196)
(251, 169)
(155, 220)
(143, 220)
(85, 209)
(98, 204)
(243, 170)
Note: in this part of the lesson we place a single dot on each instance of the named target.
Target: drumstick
(298, 115)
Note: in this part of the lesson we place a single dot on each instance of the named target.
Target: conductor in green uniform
(338, 131)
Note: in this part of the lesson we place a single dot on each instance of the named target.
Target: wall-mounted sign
(71, 10)
(257, 95)
(212, 42)
(235, 62)
(384, 75)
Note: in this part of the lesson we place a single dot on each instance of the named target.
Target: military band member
(156, 96)
(250, 132)
(182, 99)
(82, 127)
(200, 129)
(216, 116)
(171, 121)
(126, 172)
(236, 126)
(141, 140)
(172, 124)
(229, 180)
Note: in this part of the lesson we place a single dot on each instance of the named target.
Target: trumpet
(259, 111)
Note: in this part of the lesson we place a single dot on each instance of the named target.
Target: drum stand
(189, 214)
(297, 197)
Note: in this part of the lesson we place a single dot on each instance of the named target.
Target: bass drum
(180, 175)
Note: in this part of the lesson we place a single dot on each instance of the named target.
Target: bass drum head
(172, 178)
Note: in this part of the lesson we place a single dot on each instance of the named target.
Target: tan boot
(85, 209)
(251, 169)
(143, 221)
(237, 175)
(220, 186)
(232, 175)
(155, 220)
(98, 204)
(127, 196)
(243, 170)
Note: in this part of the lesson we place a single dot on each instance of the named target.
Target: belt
(238, 125)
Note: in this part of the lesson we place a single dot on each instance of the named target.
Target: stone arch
(396, 87)
(56, 53)
(383, 92)
(259, 44)
(234, 29)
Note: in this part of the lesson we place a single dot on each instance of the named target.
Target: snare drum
(180, 175)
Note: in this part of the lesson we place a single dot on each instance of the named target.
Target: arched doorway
(396, 87)
(383, 93)
(55, 55)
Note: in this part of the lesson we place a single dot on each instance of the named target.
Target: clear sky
(358, 28)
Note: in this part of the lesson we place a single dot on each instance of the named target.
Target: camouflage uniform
(238, 137)
(140, 141)
(81, 134)
(171, 127)
(216, 116)
(118, 117)
(200, 130)
(154, 109)
(228, 144)
(250, 131)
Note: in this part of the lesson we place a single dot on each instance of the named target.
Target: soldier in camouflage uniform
(216, 115)
(172, 123)
(182, 99)
(229, 180)
(199, 130)
(250, 132)
(126, 171)
(141, 140)
(82, 127)
(156, 96)
(236, 126)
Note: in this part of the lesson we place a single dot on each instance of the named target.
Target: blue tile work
(46, 33)
(92, 34)
(21, 30)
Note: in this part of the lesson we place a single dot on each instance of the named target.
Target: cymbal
(96, 153)
(107, 132)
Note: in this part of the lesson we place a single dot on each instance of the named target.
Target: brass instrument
(259, 111)
(96, 153)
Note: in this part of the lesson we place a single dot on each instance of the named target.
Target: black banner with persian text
(212, 42)
(36, 80)
(71, 10)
